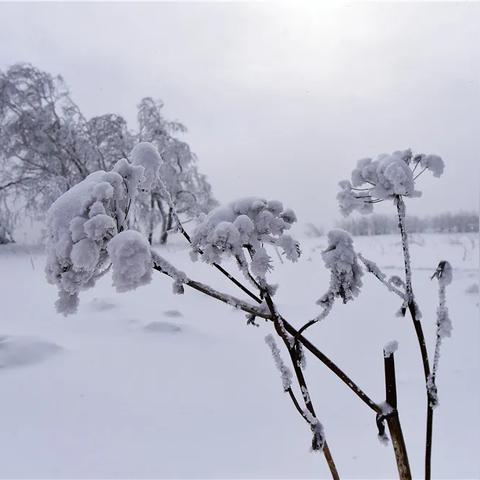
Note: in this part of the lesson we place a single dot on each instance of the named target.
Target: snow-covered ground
(151, 384)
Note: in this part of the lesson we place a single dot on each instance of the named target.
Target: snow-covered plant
(386, 177)
(340, 258)
(444, 275)
(394, 177)
(80, 225)
(243, 228)
(88, 234)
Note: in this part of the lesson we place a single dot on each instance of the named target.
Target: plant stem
(223, 297)
(216, 265)
(393, 420)
(279, 328)
(332, 367)
(401, 211)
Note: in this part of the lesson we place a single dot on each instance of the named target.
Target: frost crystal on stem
(443, 273)
(284, 370)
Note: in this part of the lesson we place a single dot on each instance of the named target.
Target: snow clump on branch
(340, 258)
(248, 223)
(387, 177)
(82, 221)
(131, 260)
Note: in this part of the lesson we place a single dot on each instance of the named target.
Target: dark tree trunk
(166, 226)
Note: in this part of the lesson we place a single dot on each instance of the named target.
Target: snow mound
(16, 351)
(173, 313)
(101, 305)
(162, 327)
(472, 289)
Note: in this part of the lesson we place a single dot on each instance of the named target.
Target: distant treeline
(378, 224)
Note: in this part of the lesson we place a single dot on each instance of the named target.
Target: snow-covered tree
(46, 144)
(183, 187)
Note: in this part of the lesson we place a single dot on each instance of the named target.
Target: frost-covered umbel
(81, 222)
(131, 259)
(386, 177)
(340, 258)
(248, 223)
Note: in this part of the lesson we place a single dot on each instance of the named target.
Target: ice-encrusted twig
(374, 269)
(326, 302)
(279, 363)
(443, 273)
(401, 212)
(319, 442)
(166, 268)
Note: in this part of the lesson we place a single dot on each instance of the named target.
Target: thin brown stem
(223, 297)
(317, 442)
(332, 367)
(393, 419)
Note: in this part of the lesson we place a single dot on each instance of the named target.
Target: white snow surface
(123, 395)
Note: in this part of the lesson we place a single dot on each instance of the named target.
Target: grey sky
(280, 99)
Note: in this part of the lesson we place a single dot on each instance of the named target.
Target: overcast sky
(280, 99)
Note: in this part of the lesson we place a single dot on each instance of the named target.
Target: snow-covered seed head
(443, 273)
(80, 223)
(386, 177)
(249, 223)
(340, 258)
(131, 259)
